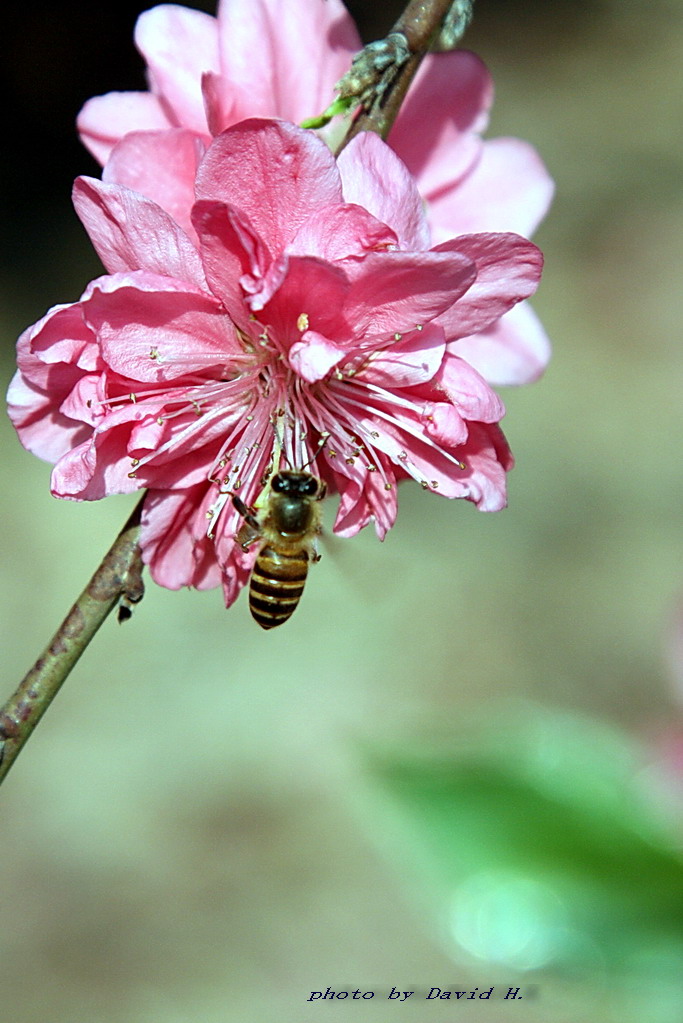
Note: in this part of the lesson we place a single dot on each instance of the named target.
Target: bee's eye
(278, 483)
(310, 487)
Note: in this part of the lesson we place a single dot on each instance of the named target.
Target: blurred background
(460, 766)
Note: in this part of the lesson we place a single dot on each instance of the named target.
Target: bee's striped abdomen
(277, 583)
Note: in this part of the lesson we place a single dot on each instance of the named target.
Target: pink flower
(271, 59)
(307, 315)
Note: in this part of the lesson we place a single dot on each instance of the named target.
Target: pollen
(302, 322)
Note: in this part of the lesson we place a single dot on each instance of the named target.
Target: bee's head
(298, 484)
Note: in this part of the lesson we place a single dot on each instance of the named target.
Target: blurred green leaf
(539, 839)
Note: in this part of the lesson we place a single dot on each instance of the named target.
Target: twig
(118, 579)
(381, 73)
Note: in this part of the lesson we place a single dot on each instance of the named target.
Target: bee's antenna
(322, 441)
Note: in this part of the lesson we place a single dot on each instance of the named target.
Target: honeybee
(287, 526)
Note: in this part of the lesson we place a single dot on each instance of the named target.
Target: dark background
(55, 56)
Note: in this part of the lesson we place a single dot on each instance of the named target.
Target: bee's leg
(250, 530)
(314, 553)
(247, 514)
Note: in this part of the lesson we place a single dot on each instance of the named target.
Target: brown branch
(381, 74)
(118, 579)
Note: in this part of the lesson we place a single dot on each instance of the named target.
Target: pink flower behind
(266, 58)
(304, 323)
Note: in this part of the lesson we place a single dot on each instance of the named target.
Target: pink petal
(284, 62)
(354, 511)
(97, 468)
(404, 441)
(61, 336)
(155, 329)
(508, 189)
(234, 256)
(104, 120)
(311, 298)
(382, 497)
(162, 166)
(314, 356)
(179, 44)
(436, 131)
(374, 178)
(83, 402)
(508, 270)
(444, 424)
(393, 292)
(39, 388)
(342, 231)
(514, 351)
(74, 470)
(172, 545)
(413, 360)
(468, 390)
(35, 413)
(106, 463)
(488, 461)
(131, 232)
(276, 174)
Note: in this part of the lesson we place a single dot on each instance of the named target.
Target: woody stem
(119, 575)
(420, 25)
